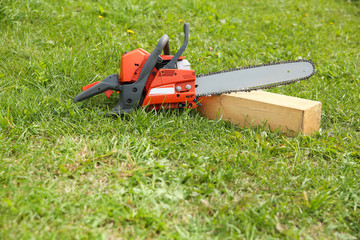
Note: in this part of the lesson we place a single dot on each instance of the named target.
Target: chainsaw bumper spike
(159, 81)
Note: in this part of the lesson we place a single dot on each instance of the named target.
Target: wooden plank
(290, 114)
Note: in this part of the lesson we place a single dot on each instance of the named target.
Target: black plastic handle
(110, 82)
(151, 61)
(171, 64)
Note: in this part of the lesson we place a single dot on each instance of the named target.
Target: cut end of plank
(248, 109)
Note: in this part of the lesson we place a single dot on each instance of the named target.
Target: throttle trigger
(108, 92)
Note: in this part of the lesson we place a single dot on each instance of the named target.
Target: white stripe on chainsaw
(163, 90)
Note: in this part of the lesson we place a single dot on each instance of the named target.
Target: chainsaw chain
(267, 86)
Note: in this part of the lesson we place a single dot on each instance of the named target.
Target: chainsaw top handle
(153, 58)
(163, 44)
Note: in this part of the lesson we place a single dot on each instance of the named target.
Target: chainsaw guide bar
(249, 83)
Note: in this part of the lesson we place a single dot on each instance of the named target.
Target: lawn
(67, 172)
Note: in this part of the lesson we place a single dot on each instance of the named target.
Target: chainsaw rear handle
(109, 83)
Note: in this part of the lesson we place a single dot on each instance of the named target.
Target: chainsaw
(158, 81)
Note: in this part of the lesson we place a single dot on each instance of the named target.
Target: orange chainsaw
(158, 81)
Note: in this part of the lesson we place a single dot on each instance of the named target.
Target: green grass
(68, 173)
